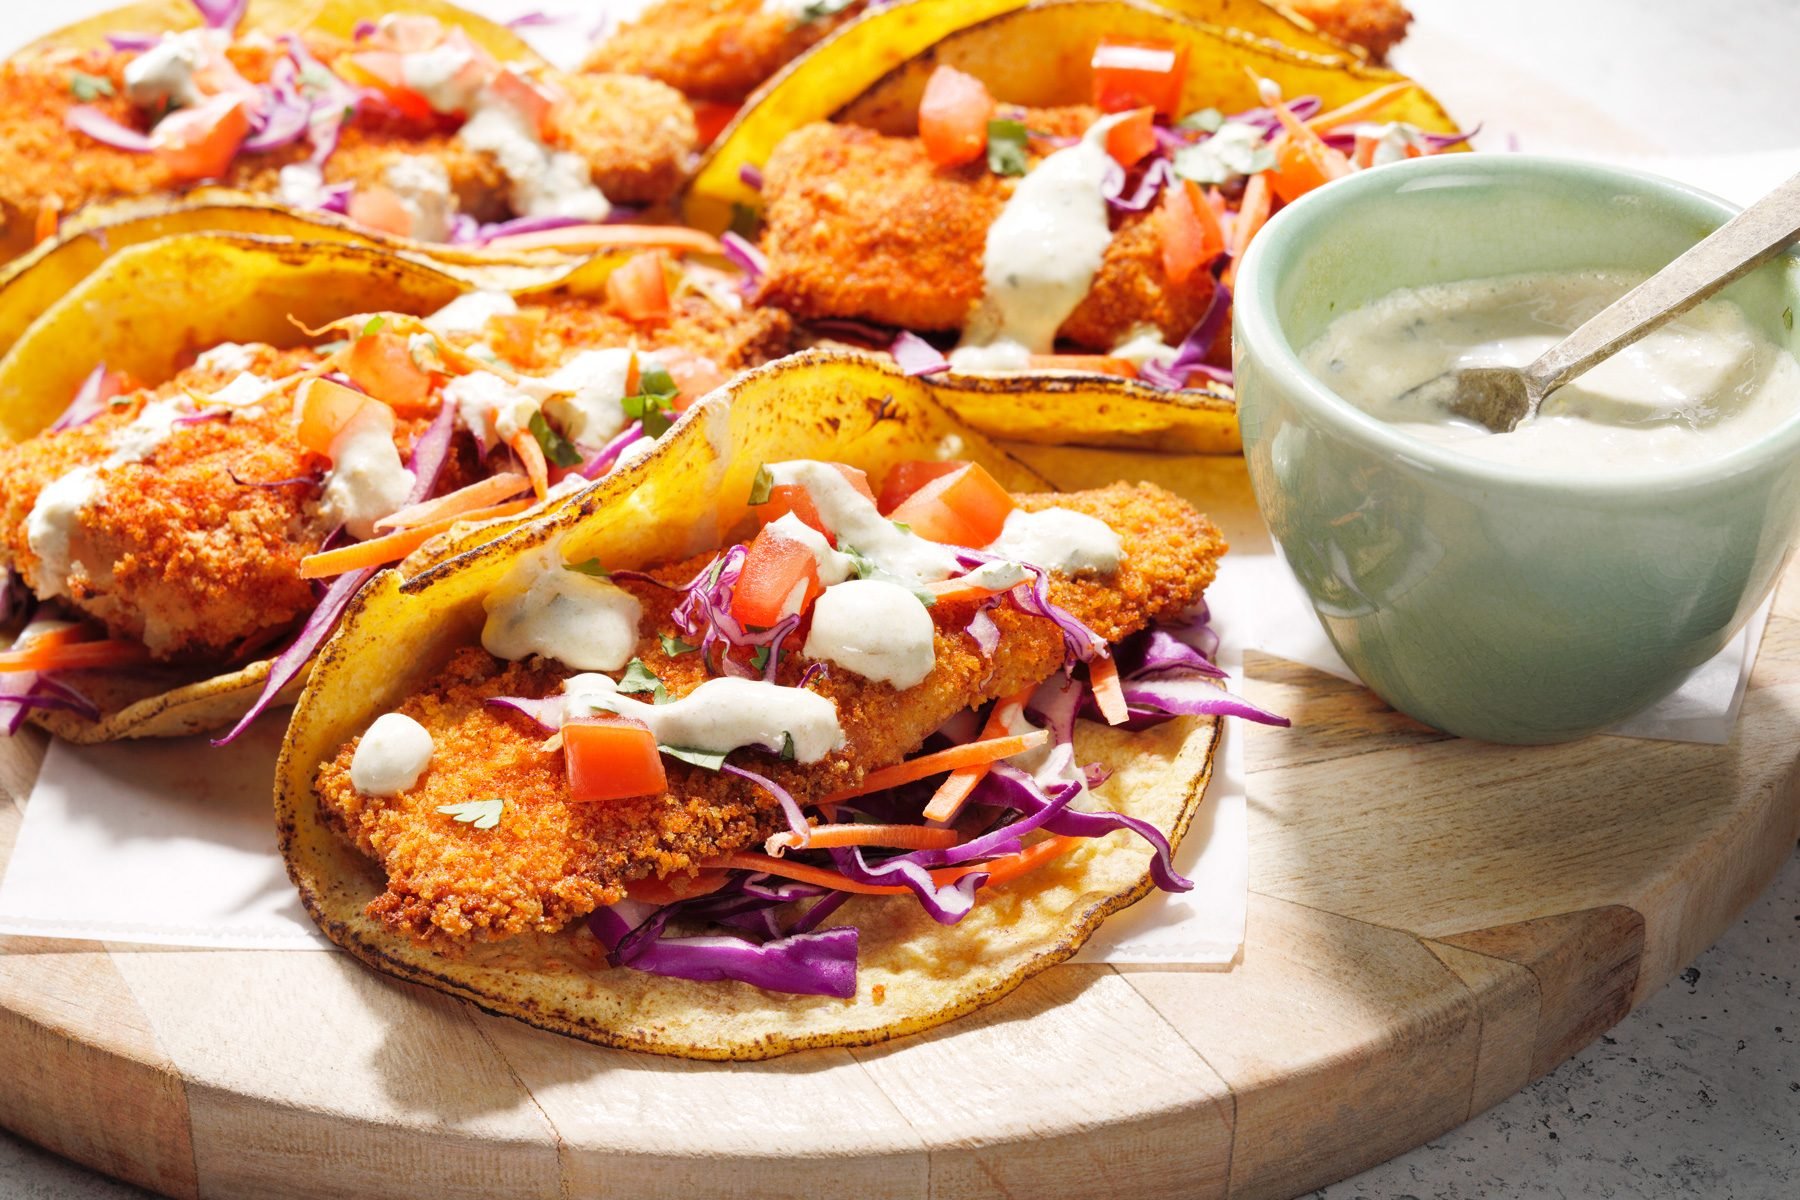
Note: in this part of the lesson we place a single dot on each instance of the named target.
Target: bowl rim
(1256, 325)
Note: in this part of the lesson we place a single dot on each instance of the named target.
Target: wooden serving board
(1432, 923)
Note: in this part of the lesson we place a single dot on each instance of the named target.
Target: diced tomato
(326, 407)
(1302, 163)
(200, 142)
(711, 118)
(1189, 230)
(1131, 74)
(533, 99)
(514, 335)
(612, 758)
(908, 477)
(787, 498)
(967, 507)
(1133, 138)
(376, 207)
(780, 579)
(381, 70)
(694, 374)
(953, 117)
(382, 365)
(639, 288)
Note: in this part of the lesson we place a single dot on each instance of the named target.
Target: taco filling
(872, 696)
(1098, 238)
(196, 523)
(409, 127)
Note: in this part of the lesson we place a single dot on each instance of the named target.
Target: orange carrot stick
(675, 887)
(1103, 675)
(900, 837)
(948, 800)
(984, 751)
(395, 546)
(603, 237)
(73, 656)
(1000, 871)
(1358, 108)
(525, 444)
(479, 494)
(1252, 215)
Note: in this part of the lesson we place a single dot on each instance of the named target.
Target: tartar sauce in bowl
(1699, 387)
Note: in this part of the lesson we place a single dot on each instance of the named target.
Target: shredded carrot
(49, 220)
(479, 494)
(985, 751)
(1252, 215)
(55, 635)
(602, 237)
(948, 800)
(45, 654)
(1103, 676)
(901, 837)
(525, 444)
(1002, 871)
(1358, 108)
(955, 591)
(395, 546)
(676, 887)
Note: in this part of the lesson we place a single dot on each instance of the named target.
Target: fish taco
(831, 723)
(257, 425)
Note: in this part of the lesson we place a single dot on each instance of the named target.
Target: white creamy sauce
(488, 406)
(876, 629)
(858, 524)
(543, 182)
(1143, 346)
(1705, 384)
(391, 756)
(998, 576)
(833, 567)
(721, 715)
(542, 607)
(1041, 256)
(1061, 540)
(228, 357)
(636, 452)
(245, 389)
(422, 186)
(585, 395)
(301, 185)
(367, 480)
(470, 313)
(52, 523)
(165, 72)
(434, 75)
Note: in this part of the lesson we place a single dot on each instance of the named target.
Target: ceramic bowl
(1490, 600)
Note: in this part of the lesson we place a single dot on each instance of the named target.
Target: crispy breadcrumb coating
(550, 861)
(636, 136)
(547, 334)
(714, 50)
(865, 226)
(1375, 25)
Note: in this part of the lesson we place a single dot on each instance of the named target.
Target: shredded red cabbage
(706, 614)
(789, 807)
(85, 118)
(86, 405)
(1190, 356)
(312, 635)
(221, 14)
(135, 43)
(745, 256)
(917, 356)
(284, 116)
(607, 455)
(429, 453)
(985, 632)
(1150, 185)
(811, 964)
(751, 176)
(946, 905)
(536, 17)
(547, 712)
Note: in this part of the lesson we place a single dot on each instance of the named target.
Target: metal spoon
(1501, 397)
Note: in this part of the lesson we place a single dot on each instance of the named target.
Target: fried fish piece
(1375, 25)
(865, 226)
(715, 50)
(550, 861)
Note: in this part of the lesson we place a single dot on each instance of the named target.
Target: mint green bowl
(1484, 599)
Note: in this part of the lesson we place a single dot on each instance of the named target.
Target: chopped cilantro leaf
(673, 646)
(90, 87)
(700, 758)
(655, 397)
(859, 562)
(818, 10)
(558, 449)
(588, 567)
(482, 814)
(787, 746)
(374, 326)
(639, 679)
(902, 526)
(315, 77)
(1006, 147)
(1787, 318)
(759, 658)
(1206, 120)
(761, 486)
(746, 222)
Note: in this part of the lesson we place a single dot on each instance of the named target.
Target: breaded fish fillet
(865, 226)
(1375, 25)
(550, 861)
(715, 50)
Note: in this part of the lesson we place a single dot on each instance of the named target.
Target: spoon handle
(1740, 245)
